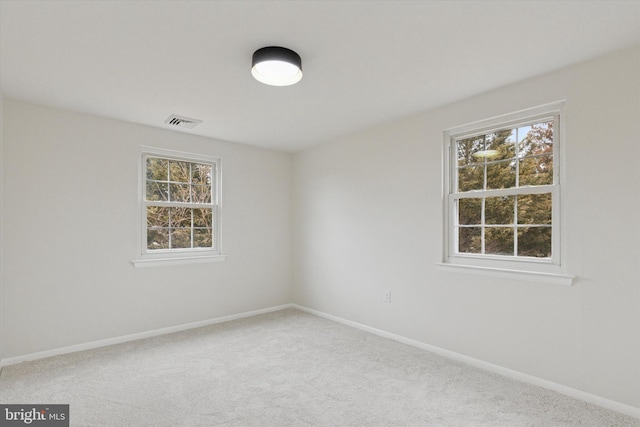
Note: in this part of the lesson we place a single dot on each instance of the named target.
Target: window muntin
(180, 199)
(504, 192)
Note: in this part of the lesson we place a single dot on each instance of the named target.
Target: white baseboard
(519, 376)
(137, 336)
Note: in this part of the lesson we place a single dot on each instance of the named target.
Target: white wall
(368, 217)
(70, 232)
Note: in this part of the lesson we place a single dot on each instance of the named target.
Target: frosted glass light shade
(276, 66)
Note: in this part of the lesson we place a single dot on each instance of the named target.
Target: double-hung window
(502, 188)
(180, 207)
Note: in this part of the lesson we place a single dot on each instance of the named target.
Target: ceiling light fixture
(276, 66)
(486, 154)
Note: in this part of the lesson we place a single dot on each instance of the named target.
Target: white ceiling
(364, 62)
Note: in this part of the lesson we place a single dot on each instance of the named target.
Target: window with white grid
(502, 189)
(180, 205)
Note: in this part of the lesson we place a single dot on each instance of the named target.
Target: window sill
(193, 259)
(530, 276)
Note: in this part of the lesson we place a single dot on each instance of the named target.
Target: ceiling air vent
(182, 122)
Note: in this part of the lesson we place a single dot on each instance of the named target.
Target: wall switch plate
(387, 295)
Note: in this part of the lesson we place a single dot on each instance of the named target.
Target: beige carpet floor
(287, 368)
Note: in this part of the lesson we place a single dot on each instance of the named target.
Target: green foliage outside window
(515, 224)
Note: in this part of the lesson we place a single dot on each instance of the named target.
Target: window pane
(470, 178)
(498, 241)
(157, 169)
(468, 148)
(157, 191)
(536, 170)
(202, 218)
(179, 193)
(180, 217)
(157, 238)
(201, 174)
(202, 238)
(201, 194)
(536, 139)
(534, 209)
(469, 211)
(180, 238)
(157, 216)
(500, 145)
(501, 175)
(534, 242)
(522, 131)
(470, 240)
(179, 171)
(499, 210)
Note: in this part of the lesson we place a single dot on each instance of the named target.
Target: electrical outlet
(387, 295)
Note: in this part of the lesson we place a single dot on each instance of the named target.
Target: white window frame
(147, 258)
(549, 270)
